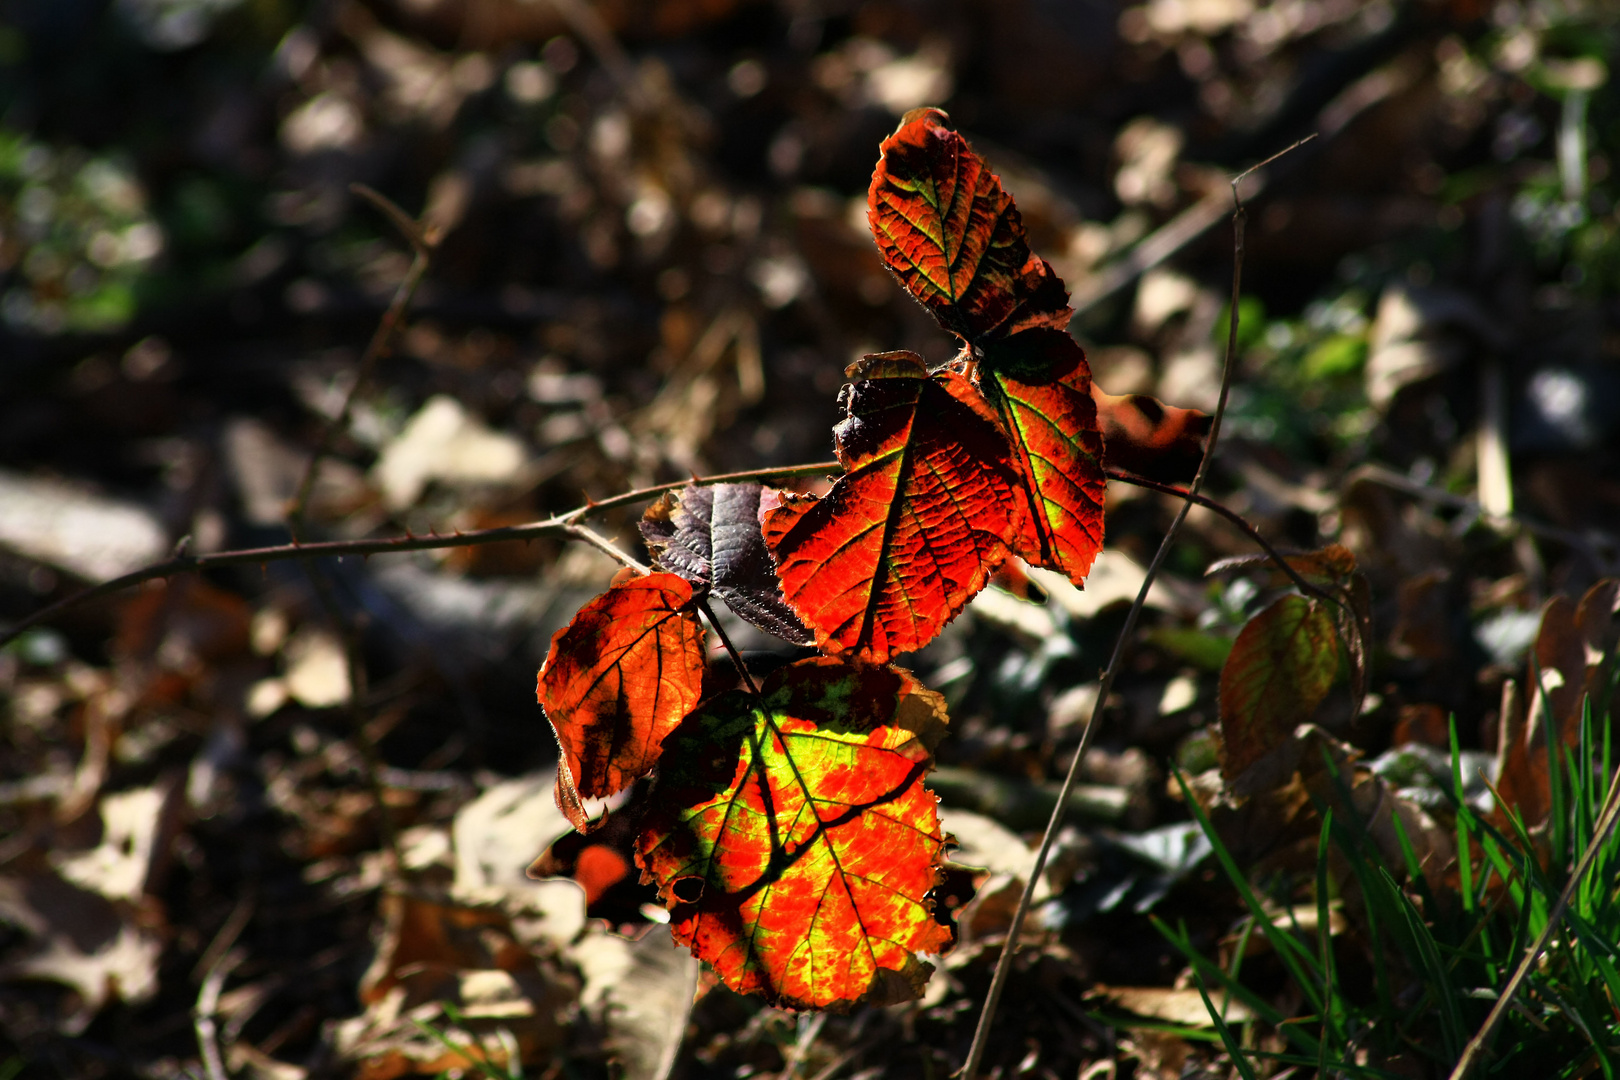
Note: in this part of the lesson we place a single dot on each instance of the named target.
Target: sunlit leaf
(792, 838)
(1045, 405)
(954, 238)
(1281, 667)
(916, 524)
(618, 679)
(711, 537)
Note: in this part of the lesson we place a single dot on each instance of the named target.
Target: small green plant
(1443, 948)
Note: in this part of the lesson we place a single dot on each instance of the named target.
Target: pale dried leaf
(444, 442)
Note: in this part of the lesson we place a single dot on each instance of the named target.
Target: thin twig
(371, 758)
(1165, 241)
(1236, 519)
(584, 20)
(606, 546)
(731, 650)
(229, 931)
(553, 526)
(202, 1015)
(1590, 542)
(413, 231)
(423, 243)
(1476, 1046)
(998, 982)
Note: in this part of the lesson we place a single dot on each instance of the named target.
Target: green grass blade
(1301, 964)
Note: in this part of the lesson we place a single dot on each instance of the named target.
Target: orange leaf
(954, 238)
(1051, 422)
(618, 679)
(916, 524)
(792, 838)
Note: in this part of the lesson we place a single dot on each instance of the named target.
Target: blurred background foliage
(656, 264)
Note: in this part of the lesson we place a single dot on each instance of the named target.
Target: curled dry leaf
(711, 537)
(618, 679)
(1572, 661)
(1147, 437)
(792, 838)
(914, 527)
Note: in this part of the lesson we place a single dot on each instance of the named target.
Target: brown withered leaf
(1143, 435)
(1281, 667)
(711, 537)
(1569, 662)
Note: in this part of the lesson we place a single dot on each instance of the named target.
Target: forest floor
(274, 820)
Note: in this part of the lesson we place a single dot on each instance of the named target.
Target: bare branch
(558, 526)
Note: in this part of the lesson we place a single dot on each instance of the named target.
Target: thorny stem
(998, 982)
(606, 546)
(554, 526)
(731, 650)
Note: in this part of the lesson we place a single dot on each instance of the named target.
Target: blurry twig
(423, 240)
(584, 20)
(1169, 238)
(1590, 543)
(203, 1015)
(981, 1034)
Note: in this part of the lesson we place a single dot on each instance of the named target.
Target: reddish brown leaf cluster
(948, 473)
(788, 830)
(912, 529)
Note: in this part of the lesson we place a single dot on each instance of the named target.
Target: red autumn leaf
(1281, 667)
(916, 524)
(1046, 409)
(953, 236)
(618, 679)
(792, 838)
(711, 537)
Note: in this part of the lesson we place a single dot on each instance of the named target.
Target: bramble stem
(553, 526)
(606, 546)
(731, 650)
(1236, 519)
